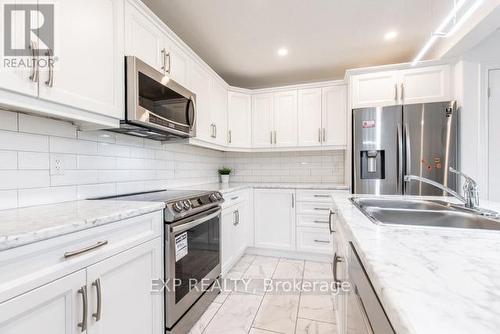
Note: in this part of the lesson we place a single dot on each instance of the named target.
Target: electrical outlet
(56, 165)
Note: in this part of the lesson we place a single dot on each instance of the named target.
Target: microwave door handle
(192, 117)
(190, 225)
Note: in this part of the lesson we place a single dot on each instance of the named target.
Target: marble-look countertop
(430, 280)
(227, 188)
(27, 225)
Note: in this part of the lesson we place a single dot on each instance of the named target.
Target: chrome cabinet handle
(321, 241)
(34, 72)
(85, 250)
(215, 130)
(97, 285)
(336, 260)
(330, 216)
(236, 215)
(169, 62)
(319, 135)
(402, 91)
(321, 209)
(230, 139)
(275, 136)
(324, 135)
(293, 201)
(396, 92)
(320, 222)
(321, 196)
(164, 66)
(83, 325)
(234, 198)
(50, 81)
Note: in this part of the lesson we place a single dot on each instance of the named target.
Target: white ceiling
(239, 38)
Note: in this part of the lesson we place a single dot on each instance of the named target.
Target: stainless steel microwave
(157, 107)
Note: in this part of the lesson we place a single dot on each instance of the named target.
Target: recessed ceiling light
(282, 52)
(390, 35)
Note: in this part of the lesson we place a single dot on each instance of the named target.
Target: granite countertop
(227, 188)
(430, 280)
(27, 225)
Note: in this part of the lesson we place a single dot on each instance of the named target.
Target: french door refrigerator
(391, 142)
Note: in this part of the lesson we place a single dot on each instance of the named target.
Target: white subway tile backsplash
(96, 162)
(18, 141)
(8, 120)
(33, 160)
(46, 126)
(39, 196)
(8, 199)
(74, 146)
(75, 177)
(96, 190)
(19, 179)
(111, 150)
(8, 159)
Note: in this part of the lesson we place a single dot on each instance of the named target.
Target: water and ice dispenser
(372, 164)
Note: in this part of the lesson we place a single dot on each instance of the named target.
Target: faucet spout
(409, 178)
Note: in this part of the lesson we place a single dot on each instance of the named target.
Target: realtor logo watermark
(28, 35)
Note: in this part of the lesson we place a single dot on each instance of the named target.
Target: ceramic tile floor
(255, 311)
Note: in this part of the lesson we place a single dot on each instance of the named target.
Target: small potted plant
(224, 174)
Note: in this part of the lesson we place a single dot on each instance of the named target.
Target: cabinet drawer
(30, 266)
(317, 196)
(318, 209)
(234, 198)
(315, 221)
(314, 240)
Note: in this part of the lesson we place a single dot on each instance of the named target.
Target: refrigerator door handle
(408, 151)
(399, 159)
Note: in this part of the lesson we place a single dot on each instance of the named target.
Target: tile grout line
(300, 298)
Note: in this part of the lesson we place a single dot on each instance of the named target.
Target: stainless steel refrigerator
(390, 142)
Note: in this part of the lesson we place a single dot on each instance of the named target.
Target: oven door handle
(187, 226)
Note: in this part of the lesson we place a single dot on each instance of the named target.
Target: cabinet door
(218, 111)
(227, 254)
(262, 120)
(17, 78)
(199, 83)
(239, 120)
(128, 304)
(274, 214)
(89, 70)
(334, 117)
(285, 118)
(240, 229)
(309, 110)
(176, 61)
(54, 308)
(427, 84)
(143, 38)
(375, 89)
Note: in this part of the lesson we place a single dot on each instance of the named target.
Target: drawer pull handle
(97, 314)
(321, 209)
(85, 250)
(322, 241)
(322, 196)
(234, 198)
(320, 222)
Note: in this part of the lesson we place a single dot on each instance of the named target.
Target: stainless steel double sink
(423, 213)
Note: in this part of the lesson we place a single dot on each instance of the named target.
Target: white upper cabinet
(334, 116)
(143, 38)
(374, 89)
(88, 71)
(285, 119)
(17, 79)
(239, 120)
(218, 111)
(416, 85)
(175, 61)
(262, 120)
(426, 84)
(199, 82)
(309, 110)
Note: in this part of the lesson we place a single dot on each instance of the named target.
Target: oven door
(192, 261)
(158, 102)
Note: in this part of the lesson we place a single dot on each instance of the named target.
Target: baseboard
(290, 254)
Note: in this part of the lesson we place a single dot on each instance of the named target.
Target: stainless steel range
(192, 252)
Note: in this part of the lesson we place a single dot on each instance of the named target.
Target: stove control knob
(186, 204)
(178, 207)
(213, 197)
(219, 196)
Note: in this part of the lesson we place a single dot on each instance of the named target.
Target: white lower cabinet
(54, 308)
(314, 240)
(121, 286)
(234, 231)
(274, 212)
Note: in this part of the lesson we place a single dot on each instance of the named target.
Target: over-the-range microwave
(157, 107)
